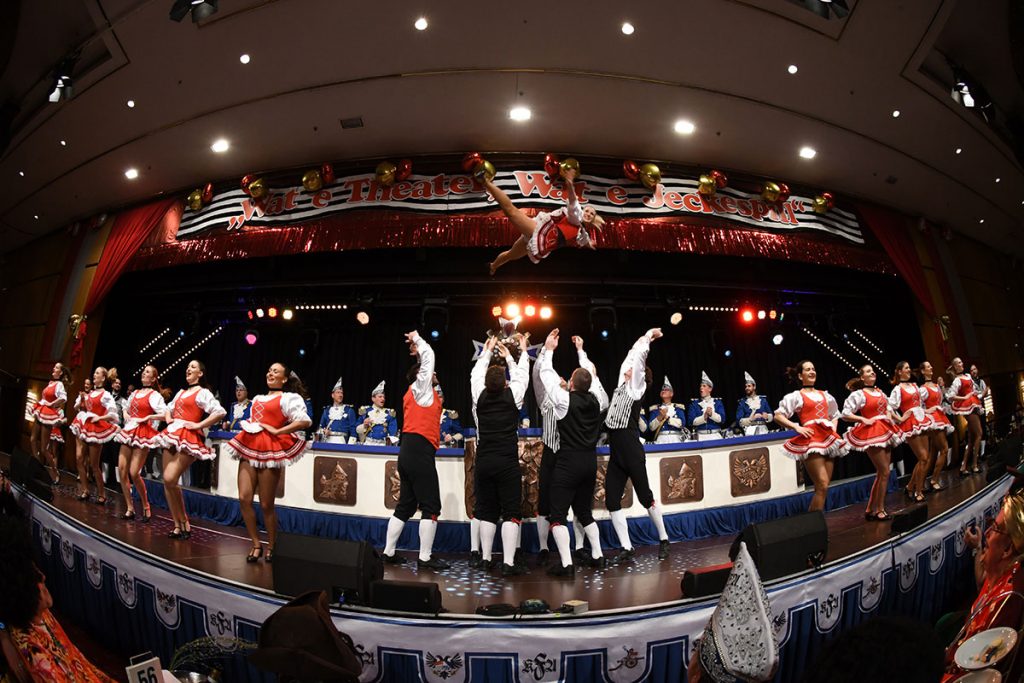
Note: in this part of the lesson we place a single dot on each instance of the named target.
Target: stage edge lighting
(545, 312)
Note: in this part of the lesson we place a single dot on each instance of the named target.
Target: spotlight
(604, 334)
(244, 58)
(495, 311)
(545, 312)
(434, 317)
(131, 173)
(421, 24)
(520, 113)
(747, 315)
(434, 334)
(728, 353)
(288, 314)
(181, 333)
(251, 337)
(676, 318)
(272, 312)
(627, 28)
(302, 352)
(777, 340)
(684, 127)
(761, 314)
(259, 312)
(511, 310)
(773, 314)
(220, 146)
(530, 310)
(200, 9)
(250, 314)
(363, 317)
(61, 88)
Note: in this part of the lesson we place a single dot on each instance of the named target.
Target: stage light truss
(866, 356)
(715, 309)
(321, 307)
(829, 348)
(154, 340)
(872, 344)
(158, 354)
(199, 343)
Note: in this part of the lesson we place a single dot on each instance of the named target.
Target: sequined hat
(379, 389)
(704, 379)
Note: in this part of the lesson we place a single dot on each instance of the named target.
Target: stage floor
(221, 551)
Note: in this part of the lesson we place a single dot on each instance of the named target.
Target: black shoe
(268, 557)
(186, 534)
(519, 559)
(597, 562)
(624, 555)
(663, 550)
(393, 559)
(512, 570)
(176, 535)
(542, 558)
(475, 560)
(559, 570)
(127, 516)
(433, 563)
(486, 565)
(580, 555)
(254, 555)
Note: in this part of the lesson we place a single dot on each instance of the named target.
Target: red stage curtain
(892, 231)
(130, 230)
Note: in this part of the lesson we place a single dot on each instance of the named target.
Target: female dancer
(266, 444)
(905, 400)
(49, 412)
(184, 439)
(874, 433)
(931, 399)
(93, 427)
(545, 232)
(964, 400)
(816, 442)
(145, 408)
(981, 390)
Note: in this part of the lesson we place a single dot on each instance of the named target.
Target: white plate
(983, 676)
(968, 655)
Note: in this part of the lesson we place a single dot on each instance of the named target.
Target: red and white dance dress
(97, 403)
(815, 410)
(560, 228)
(259, 447)
(963, 385)
(43, 411)
(191, 405)
(871, 403)
(931, 399)
(144, 411)
(906, 398)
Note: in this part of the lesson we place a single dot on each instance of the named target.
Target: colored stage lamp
(773, 314)
(530, 310)
(434, 334)
(251, 337)
(288, 314)
(761, 315)
(676, 318)
(604, 334)
(272, 312)
(495, 311)
(511, 310)
(728, 353)
(777, 340)
(250, 314)
(747, 315)
(545, 312)
(302, 352)
(363, 317)
(259, 312)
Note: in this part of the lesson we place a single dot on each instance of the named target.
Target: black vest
(581, 426)
(497, 423)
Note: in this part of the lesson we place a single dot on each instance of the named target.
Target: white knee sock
(487, 531)
(509, 540)
(654, 512)
(561, 535)
(621, 529)
(901, 468)
(395, 526)
(428, 528)
(474, 534)
(579, 534)
(543, 526)
(594, 536)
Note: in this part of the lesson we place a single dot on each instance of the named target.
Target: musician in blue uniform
(377, 426)
(753, 412)
(706, 415)
(666, 421)
(239, 410)
(338, 422)
(451, 430)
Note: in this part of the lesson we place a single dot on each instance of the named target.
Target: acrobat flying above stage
(545, 232)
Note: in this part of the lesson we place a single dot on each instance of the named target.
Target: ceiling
(593, 91)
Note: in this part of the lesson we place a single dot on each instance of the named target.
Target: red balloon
(551, 166)
(403, 169)
(630, 169)
(327, 174)
(721, 180)
(207, 193)
(471, 161)
(830, 200)
(783, 192)
(245, 183)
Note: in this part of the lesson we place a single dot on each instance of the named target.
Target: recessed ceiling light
(982, 220)
(998, 179)
(520, 113)
(684, 127)
(895, 113)
(63, 143)
(21, 173)
(131, 173)
(627, 28)
(36, 216)
(792, 69)
(131, 104)
(958, 150)
(244, 59)
(807, 152)
(220, 146)
(421, 24)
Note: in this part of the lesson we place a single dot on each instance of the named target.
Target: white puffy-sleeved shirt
(156, 403)
(793, 403)
(560, 397)
(205, 399)
(423, 386)
(293, 406)
(59, 393)
(519, 380)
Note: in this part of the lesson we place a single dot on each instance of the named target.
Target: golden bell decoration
(650, 175)
(312, 180)
(258, 188)
(386, 173)
(771, 191)
(567, 165)
(823, 202)
(706, 185)
(195, 200)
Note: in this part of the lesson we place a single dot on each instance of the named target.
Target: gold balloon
(820, 205)
(567, 165)
(312, 181)
(706, 185)
(650, 175)
(485, 170)
(771, 191)
(386, 173)
(257, 188)
(195, 200)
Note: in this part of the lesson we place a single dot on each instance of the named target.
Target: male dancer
(628, 460)
(421, 437)
(497, 481)
(578, 412)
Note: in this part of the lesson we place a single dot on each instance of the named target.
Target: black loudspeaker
(785, 546)
(308, 563)
(406, 596)
(909, 518)
(28, 472)
(703, 581)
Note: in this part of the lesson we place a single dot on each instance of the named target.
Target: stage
(105, 571)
